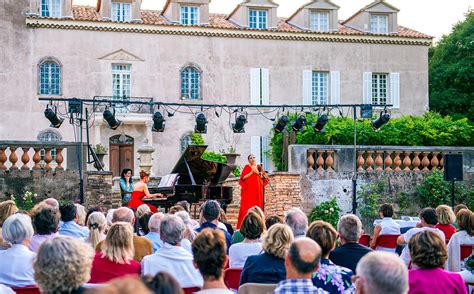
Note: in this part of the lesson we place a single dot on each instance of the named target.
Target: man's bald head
(123, 214)
(51, 202)
(304, 255)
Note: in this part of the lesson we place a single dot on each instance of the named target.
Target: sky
(432, 17)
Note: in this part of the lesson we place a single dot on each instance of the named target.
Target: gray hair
(350, 228)
(17, 228)
(155, 221)
(383, 272)
(110, 215)
(123, 214)
(172, 229)
(297, 221)
(211, 210)
(81, 214)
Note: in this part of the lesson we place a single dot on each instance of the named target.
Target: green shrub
(25, 202)
(327, 211)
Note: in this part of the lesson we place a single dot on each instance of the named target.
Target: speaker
(453, 167)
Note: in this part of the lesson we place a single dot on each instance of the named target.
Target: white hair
(110, 215)
(350, 227)
(297, 221)
(142, 210)
(154, 222)
(172, 229)
(17, 228)
(81, 214)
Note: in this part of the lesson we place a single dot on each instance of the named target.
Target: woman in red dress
(252, 186)
(140, 191)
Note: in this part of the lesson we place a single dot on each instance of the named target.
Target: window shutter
(335, 87)
(395, 89)
(255, 86)
(265, 86)
(367, 88)
(307, 87)
(255, 147)
(265, 149)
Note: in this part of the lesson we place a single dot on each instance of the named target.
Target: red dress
(104, 270)
(448, 230)
(251, 192)
(136, 201)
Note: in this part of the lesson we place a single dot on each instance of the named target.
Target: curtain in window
(190, 84)
(50, 78)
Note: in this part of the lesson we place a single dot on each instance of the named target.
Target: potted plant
(100, 151)
(231, 156)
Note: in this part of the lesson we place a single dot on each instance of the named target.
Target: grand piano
(194, 179)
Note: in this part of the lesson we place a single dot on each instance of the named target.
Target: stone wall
(99, 191)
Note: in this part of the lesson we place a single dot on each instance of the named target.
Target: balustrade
(324, 160)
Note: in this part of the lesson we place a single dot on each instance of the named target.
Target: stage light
(201, 121)
(366, 111)
(53, 118)
(282, 122)
(239, 126)
(320, 123)
(111, 120)
(158, 122)
(299, 123)
(379, 122)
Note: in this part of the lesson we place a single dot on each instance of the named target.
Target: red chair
(466, 250)
(365, 240)
(232, 277)
(387, 241)
(27, 290)
(191, 290)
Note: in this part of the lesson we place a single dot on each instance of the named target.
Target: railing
(122, 104)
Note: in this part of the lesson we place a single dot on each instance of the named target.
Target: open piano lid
(202, 170)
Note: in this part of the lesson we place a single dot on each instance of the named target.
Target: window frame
(378, 16)
(318, 24)
(52, 136)
(190, 83)
(189, 14)
(316, 91)
(123, 15)
(377, 89)
(53, 4)
(258, 21)
(50, 60)
(121, 73)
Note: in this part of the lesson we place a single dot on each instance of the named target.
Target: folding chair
(33, 289)
(257, 288)
(387, 241)
(365, 240)
(232, 277)
(191, 290)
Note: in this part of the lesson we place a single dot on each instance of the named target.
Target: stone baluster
(434, 161)
(25, 158)
(59, 158)
(397, 161)
(36, 158)
(3, 158)
(378, 161)
(407, 161)
(13, 158)
(370, 161)
(441, 162)
(425, 162)
(310, 160)
(320, 161)
(47, 158)
(416, 161)
(360, 161)
(329, 160)
(388, 161)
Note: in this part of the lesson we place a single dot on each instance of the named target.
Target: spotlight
(201, 122)
(366, 111)
(53, 118)
(383, 119)
(282, 122)
(239, 125)
(111, 120)
(158, 122)
(320, 123)
(299, 123)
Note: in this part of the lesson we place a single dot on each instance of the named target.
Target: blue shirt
(126, 190)
(155, 240)
(297, 286)
(72, 229)
(263, 268)
(228, 237)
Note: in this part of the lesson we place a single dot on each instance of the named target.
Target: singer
(252, 182)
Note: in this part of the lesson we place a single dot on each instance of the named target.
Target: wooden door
(114, 160)
(121, 154)
(126, 157)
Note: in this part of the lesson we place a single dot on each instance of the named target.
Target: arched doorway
(121, 153)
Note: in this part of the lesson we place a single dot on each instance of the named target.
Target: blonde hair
(81, 214)
(257, 210)
(277, 240)
(118, 245)
(97, 225)
(445, 215)
(7, 208)
(142, 210)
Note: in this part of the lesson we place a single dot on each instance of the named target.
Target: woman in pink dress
(140, 191)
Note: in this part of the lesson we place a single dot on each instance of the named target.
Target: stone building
(116, 50)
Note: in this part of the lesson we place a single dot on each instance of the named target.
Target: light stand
(354, 177)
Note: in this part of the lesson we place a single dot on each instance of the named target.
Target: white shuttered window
(319, 86)
(260, 146)
(259, 86)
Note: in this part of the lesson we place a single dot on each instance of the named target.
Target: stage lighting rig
(318, 126)
(239, 126)
(299, 123)
(281, 124)
(383, 119)
(111, 120)
(158, 122)
(53, 118)
(201, 124)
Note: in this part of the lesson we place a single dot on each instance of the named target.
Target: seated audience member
(143, 215)
(91, 210)
(141, 245)
(125, 285)
(468, 273)
(154, 233)
(97, 226)
(269, 267)
(428, 254)
(187, 207)
(446, 218)
(81, 214)
(457, 208)
(6, 290)
(16, 263)
(176, 208)
(301, 262)
(45, 219)
(51, 202)
(7, 208)
(63, 265)
(237, 237)
(273, 219)
(350, 251)
(116, 257)
(252, 227)
(386, 227)
(428, 221)
(189, 234)
(381, 272)
(109, 216)
(69, 226)
(210, 213)
(297, 221)
(465, 220)
(172, 258)
(209, 251)
(223, 219)
(329, 277)
(162, 283)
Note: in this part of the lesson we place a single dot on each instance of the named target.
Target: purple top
(435, 281)
(37, 240)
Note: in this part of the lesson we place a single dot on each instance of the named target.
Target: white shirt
(16, 266)
(405, 256)
(388, 227)
(454, 250)
(214, 291)
(6, 290)
(239, 252)
(219, 225)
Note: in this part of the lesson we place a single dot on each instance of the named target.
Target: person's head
(62, 265)
(176, 208)
(297, 221)
(277, 240)
(123, 214)
(273, 219)
(118, 245)
(302, 259)
(154, 222)
(445, 214)
(7, 208)
(209, 250)
(184, 216)
(144, 176)
(252, 226)
(126, 172)
(386, 210)
(68, 212)
(97, 225)
(17, 229)
(184, 204)
(211, 210)
(81, 214)
(349, 227)
(428, 250)
(162, 283)
(91, 210)
(142, 210)
(109, 216)
(251, 158)
(381, 272)
(458, 207)
(465, 220)
(324, 234)
(428, 217)
(222, 217)
(171, 229)
(51, 202)
(45, 219)
(257, 210)
(122, 285)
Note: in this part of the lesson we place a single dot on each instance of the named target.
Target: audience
(143, 216)
(301, 262)
(162, 283)
(125, 285)
(350, 252)
(171, 257)
(154, 233)
(69, 226)
(51, 202)
(97, 225)
(187, 207)
(63, 265)
(188, 234)
(457, 208)
(176, 208)
(273, 219)
(81, 214)
(7, 208)
(329, 277)
(297, 221)
(91, 210)
(16, 263)
(269, 267)
(116, 257)
(109, 216)
(252, 227)
(465, 220)
(428, 254)
(210, 213)
(223, 219)
(237, 237)
(446, 218)
(45, 219)
(386, 227)
(382, 272)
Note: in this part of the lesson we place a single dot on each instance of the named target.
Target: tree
(451, 69)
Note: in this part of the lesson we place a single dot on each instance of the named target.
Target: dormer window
(258, 19)
(51, 8)
(121, 11)
(319, 21)
(379, 24)
(189, 15)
